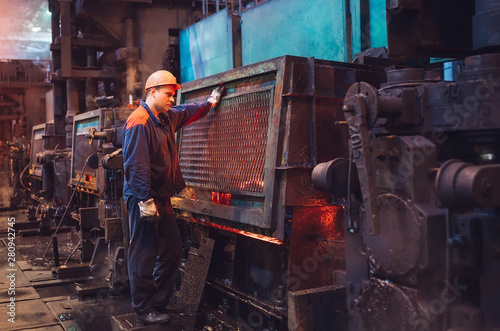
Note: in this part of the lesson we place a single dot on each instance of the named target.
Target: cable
(21, 178)
(73, 252)
(67, 206)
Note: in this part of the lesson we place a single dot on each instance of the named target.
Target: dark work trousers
(154, 256)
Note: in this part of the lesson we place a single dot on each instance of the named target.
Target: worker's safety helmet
(161, 77)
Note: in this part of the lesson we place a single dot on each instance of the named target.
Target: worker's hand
(214, 98)
(148, 211)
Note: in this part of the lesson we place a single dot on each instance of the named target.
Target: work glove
(214, 98)
(148, 211)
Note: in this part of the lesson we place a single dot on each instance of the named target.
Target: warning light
(221, 198)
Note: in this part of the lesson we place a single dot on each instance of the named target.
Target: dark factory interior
(343, 178)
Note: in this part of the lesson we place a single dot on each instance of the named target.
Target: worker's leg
(169, 253)
(142, 254)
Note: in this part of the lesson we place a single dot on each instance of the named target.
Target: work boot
(171, 308)
(153, 317)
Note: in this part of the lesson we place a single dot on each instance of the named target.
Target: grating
(225, 150)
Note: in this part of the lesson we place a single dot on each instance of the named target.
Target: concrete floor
(43, 302)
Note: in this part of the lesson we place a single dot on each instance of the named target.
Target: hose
(21, 178)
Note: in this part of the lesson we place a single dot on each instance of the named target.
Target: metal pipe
(55, 27)
(131, 64)
(389, 106)
(312, 114)
(72, 108)
(447, 261)
(203, 8)
(348, 29)
(129, 33)
(245, 298)
(72, 99)
(460, 184)
(21, 100)
(55, 247)
(66, 35)
(90, 83)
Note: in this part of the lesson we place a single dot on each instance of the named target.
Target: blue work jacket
(150, 157)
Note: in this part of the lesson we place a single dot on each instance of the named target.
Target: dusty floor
(32, 298)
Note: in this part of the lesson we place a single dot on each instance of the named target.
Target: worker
(152, 176)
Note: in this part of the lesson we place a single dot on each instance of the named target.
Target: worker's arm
(183, 115)
(136, 161)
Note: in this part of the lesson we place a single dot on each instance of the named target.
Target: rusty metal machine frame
(283, 227)
(91, 118)
(37, 145)
(298, 95)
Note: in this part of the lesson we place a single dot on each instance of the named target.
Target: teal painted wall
(356, 27)
(206, 47)
(378, 24)
(375, 33)
(309, 28)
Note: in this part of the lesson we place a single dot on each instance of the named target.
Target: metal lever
(94, 134)
(359, 97)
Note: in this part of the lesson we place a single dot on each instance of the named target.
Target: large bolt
(349, 108)
(456, 242)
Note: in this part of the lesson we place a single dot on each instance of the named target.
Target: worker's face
(163, 97)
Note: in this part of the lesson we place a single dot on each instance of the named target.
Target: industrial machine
(49, 173)
(320, 195)
(83, 186)
(97, 179)
(19, 160)
(421, 195)
(247, 167)
(47, 161)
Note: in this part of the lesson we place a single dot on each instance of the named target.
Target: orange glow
(243, 233)
(221, 198)
(326, 222)
(318, 233)
(252, 184)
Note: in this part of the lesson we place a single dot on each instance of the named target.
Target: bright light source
(487, 157)
(36, 29)
(48, 12)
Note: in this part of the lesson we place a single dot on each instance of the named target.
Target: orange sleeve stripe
(138, 117)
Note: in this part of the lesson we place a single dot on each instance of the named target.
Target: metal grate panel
(226, 149)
